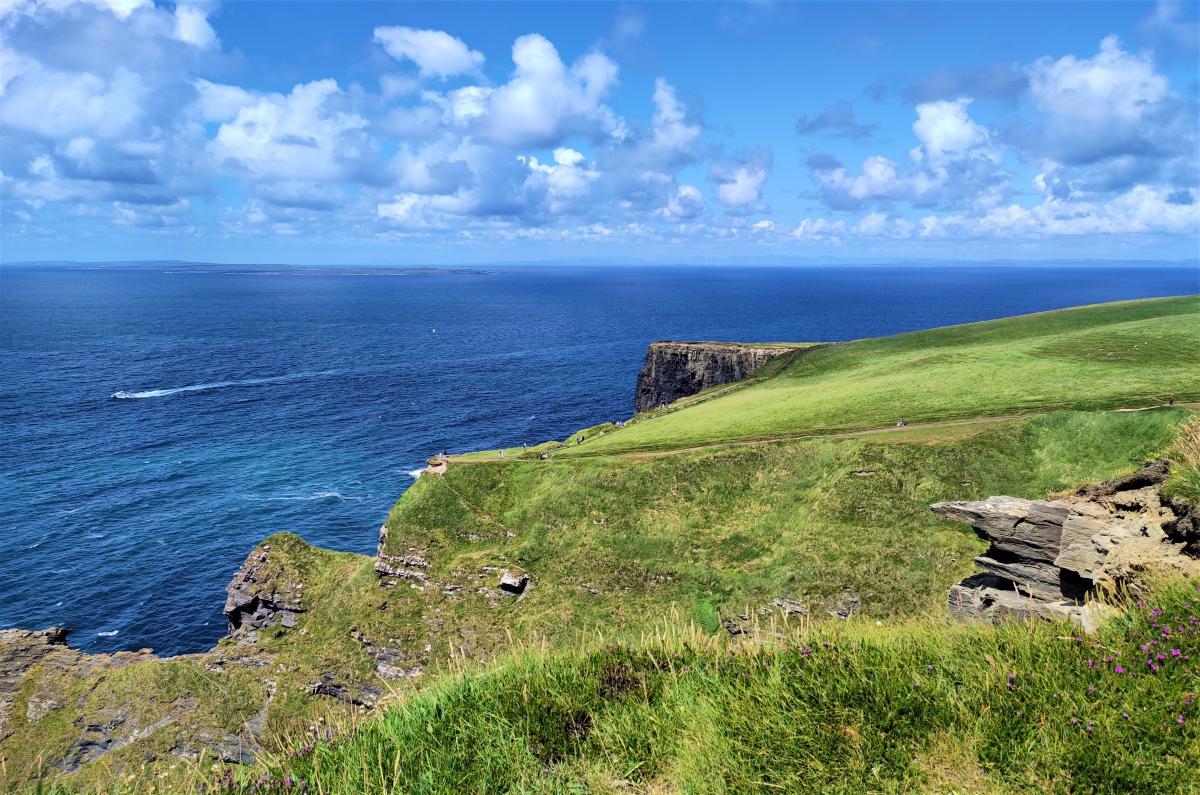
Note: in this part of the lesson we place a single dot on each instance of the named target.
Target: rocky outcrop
(262, 595)
(410, 565)
(675, 370)
(1050, 558)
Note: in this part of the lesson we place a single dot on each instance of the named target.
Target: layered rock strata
(675, 370)
(260, 595)
(1051, 558)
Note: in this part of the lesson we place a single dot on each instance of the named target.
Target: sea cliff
(675, 370)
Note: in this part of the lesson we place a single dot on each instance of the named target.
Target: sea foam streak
(317, 495)
(152, 393)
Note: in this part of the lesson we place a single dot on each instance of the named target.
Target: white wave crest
(414, 473)
(316, 495)
(108, 634)
(152, 393)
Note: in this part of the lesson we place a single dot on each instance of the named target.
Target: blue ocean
(158, 421)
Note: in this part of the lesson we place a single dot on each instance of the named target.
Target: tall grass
(1184, 455)
(919, 706)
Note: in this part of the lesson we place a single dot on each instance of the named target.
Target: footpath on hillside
(906, 429)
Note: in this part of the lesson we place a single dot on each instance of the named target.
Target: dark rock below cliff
(675, 370)
(261, 596)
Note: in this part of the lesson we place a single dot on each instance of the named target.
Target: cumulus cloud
(56, 104)
(687, 202)
(545, 101)
(1143, 209)
(217, 102)
(820, 230)
(191, 26)
(566, 180)
(1112, 104)
(956, 159)
(740, 182)
(435, 52)
(295, 149)
(124, 113)
(946, 131)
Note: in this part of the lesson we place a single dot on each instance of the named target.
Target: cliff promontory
(675, 370)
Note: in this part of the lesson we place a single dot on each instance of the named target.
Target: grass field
(1128, 353)
(913, 707)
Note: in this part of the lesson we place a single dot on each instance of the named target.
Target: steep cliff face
(675, 370)
(1048, 558)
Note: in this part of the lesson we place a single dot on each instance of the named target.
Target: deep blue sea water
(255, 403)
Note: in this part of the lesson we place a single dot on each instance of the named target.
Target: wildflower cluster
(1156, 644)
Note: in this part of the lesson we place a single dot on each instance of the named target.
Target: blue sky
(361, 132)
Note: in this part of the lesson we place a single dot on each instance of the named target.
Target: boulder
(513, 582)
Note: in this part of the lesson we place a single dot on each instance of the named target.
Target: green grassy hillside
(1128, 353)
(913, 707)
(612, 541)
(700, 518)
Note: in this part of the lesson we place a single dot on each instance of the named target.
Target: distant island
(182, 266)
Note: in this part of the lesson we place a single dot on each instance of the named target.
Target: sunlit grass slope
(914, 707)
(1104, 356)
(611, 541)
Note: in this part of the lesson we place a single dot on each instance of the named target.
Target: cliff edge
(675, 370)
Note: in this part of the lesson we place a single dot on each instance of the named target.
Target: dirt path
(910, 428)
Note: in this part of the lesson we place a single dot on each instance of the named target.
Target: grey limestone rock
(675, 370)
(1052, 558)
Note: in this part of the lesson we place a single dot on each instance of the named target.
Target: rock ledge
(1052, 558)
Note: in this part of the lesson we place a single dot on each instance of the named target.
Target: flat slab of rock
(1030, 529)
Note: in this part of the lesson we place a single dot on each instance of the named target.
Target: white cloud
(564, 182)
(409, 209)
(687, 202)
(672, 136)
(300, 136)
(1114, 85)
(739, 183)
(955, 160)
(1141, 210)
(545, 101)
(945, 129)
(820, 230)
(59, 104)
(435, 52)
(1099, 107)
(191, 27)
(218, 102)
